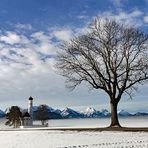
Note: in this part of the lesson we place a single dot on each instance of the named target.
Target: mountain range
(69, 113)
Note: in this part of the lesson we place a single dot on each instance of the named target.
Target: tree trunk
(42, 122)
(114, 115)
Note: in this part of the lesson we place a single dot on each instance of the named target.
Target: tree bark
(114, 115)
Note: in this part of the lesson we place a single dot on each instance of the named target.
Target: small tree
(42, 114)
(112, 57)
(14, 117)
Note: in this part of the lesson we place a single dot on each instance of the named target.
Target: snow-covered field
(77, 139)
(72, 139)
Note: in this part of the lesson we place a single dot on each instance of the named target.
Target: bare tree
(14, 117)
(42, 114)
(112, 57)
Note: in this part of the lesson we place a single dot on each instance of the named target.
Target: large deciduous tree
(111, 56)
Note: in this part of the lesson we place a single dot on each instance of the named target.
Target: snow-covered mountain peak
(89, 111)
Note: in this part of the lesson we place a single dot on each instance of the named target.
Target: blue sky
(30, 31)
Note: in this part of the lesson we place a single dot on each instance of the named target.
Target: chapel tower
(30, 109)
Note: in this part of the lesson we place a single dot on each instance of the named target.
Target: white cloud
(63, 34)
(45, 44)
(10, 38)
(28, 53)
(145, 18)
(41, 36)
(136, 13)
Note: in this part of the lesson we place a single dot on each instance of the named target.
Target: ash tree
(111, 56)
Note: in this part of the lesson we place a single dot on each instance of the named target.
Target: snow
(72, 139)
(89, 111)
(77, 139)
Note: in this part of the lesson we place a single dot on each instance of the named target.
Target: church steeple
(30, 110)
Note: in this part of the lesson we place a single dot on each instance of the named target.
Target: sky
(30, 34)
